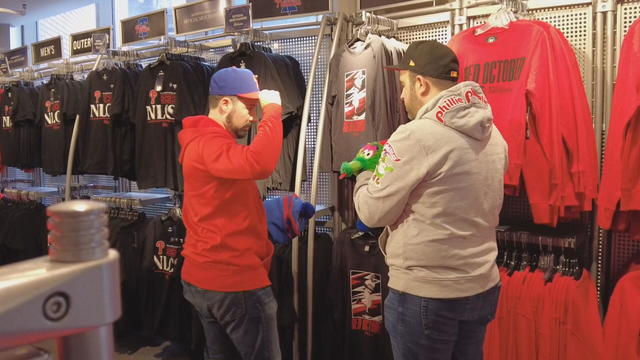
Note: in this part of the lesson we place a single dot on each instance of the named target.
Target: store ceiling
(16, 5)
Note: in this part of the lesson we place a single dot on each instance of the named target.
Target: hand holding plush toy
(366, 159)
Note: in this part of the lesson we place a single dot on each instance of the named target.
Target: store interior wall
(39, 9)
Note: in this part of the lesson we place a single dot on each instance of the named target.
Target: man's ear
(226, 105)
(423, 87)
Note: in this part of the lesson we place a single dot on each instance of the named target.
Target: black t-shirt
(9, 138)
(127, 236)
(359, 285)
(163, 99)
(105, 105)
(167, 312)
(23, 231)
(56, 126)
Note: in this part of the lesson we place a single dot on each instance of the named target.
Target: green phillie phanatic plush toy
(366, 159)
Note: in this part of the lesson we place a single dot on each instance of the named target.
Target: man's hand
(269, 97)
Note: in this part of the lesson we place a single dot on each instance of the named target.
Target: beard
(412, 105)
(238, 132)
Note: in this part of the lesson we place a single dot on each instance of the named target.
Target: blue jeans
(438, 329)
(237, 325)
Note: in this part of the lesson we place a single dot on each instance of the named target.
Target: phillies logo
(142, 28)
(447, 104)
(287, 3)
(97, 95)
(160, 245)
(390, 153)
(152, 96)
(472, 93)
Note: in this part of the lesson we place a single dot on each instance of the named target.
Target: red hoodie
(227, 248)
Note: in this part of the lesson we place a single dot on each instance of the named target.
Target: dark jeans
(439, 329)
(237, 325)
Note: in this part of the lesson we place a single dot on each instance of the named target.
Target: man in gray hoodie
(438, 190)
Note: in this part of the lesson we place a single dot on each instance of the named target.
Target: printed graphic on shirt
(445, 105)
(162, 106)
(366, 302)
(355, 101)
(385, 165)
(495, 72)
(7, 122)
(53, 111)
(101, 108)
(287, 6)
(142, 27)
(167, 256)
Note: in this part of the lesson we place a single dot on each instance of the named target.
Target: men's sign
(82, 43)
(263, 9)
(199, 16)
(47, 50)
(144, 27)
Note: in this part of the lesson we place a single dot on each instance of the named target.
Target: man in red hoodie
(227, 251)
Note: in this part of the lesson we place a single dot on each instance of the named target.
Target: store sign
(144, 27)
(263, 9)
(374, 4)
(82, 43)
(17, 58)
(4, 69)
(47, 50)
(100, 43)
(199, 16)
(237, 18)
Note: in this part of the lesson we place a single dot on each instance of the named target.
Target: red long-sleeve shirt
(622, 323)
(620, 180)
(227, 247)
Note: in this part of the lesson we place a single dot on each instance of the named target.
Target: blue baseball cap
(234, 81)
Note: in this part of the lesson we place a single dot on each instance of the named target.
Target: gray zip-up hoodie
(438, 190)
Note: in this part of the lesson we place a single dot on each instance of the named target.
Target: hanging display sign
(264, 9)
(47, 50)
(82, 43)
(144, 27)
(199, 16)
(99, 43)
(237, 18)
(17, 58)
(380, 4)
(4, 69)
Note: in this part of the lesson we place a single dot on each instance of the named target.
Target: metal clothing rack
(132, 199)
(31, 193)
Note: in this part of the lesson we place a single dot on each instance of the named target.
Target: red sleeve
(622, 323)
(252, 162)
(626, 99)
(578, 134)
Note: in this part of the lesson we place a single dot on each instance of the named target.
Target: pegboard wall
(440, 32)
(622, 247)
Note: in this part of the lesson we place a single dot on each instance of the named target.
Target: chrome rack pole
(72, 148)
(314, 190)
(295, 250)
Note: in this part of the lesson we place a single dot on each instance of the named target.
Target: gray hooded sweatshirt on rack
(438, 190)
